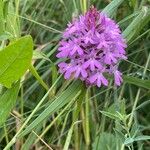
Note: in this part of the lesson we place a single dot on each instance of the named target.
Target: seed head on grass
(93, 46)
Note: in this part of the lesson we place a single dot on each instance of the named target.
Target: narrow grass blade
(137, 24)
(111, 8)
(137, 82)
(58, 103)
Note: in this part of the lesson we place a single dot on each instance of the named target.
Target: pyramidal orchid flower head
(93, 46)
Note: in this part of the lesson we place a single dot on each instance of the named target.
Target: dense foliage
(39, 109)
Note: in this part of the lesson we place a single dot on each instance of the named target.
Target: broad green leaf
(111, 8)
(136, 81)
(58, 103)
(7, 102)
(15, 59)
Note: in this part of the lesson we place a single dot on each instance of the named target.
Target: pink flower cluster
(93, 46)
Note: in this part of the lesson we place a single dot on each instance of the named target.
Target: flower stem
(87, 118)
(83, 4)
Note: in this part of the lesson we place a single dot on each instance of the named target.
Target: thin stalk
(76, 137)
(6, 135)
(75, 5)
(142, 3)
(39, 79)
(84, 6)
(22, 103)
(140, 36)
(22, 108)
(63, 128)
(40, 24)
(16, 18)
(83, 122)
(87, 129)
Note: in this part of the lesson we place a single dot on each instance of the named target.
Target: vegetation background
(51, 113)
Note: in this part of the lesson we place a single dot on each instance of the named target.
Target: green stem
(75, 5)
(84, 6)
(22, 103)
(76, 137)
(22, 107)
(87, 118)
(63, 127)
(39, 79)
(6, 135)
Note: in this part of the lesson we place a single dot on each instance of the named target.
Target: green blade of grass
(111, 8)
(137, 82)
(58, 103)
(137, 24)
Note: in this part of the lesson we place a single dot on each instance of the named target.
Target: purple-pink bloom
(98, 79)
(118, 77)
(93, 46)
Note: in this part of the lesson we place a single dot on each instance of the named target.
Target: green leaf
(105, 141)
(111, 115)
(68, 95)
(7, 102)
(136, 81)
(138, 138)
(137, 24)
(15, 59)
(31, 139)
(142, 137)
(111, 8)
